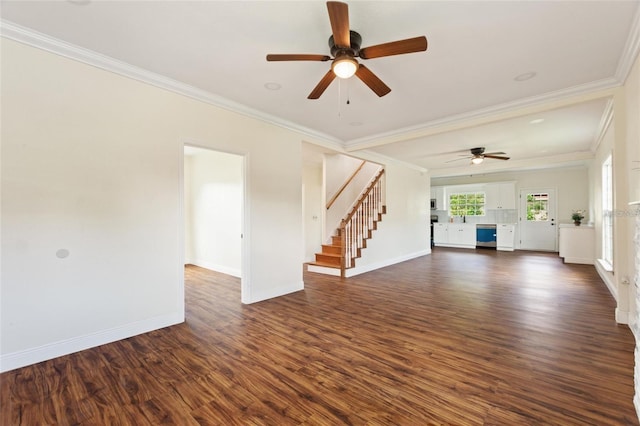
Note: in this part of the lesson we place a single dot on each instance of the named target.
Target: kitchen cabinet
(439, 193)
(500, 196)
(577, 244)
(505, 236)
(461, 235)
(440, 233)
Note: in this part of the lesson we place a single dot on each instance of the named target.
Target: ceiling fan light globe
(477, 160)
(344, 67)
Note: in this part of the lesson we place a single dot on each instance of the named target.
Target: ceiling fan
(478, 155)
(344, 45)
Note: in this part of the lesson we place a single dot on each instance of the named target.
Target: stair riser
(332, 260)
(331, 249)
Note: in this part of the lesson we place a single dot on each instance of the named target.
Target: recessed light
(272, 86)
(536, 121)
(526, 76)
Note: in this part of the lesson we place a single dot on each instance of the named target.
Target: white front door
(538, 228)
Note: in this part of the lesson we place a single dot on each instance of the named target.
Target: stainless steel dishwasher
(486, 235)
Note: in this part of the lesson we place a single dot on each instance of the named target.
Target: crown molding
(571, 95)
(42, 41)
(385, 159)
(603, 126)
(630, 51)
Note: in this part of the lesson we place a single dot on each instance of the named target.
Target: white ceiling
(459, 94)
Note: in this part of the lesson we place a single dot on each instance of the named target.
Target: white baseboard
(463, 246)
(274, 292)
(622, 317)
(580, 260)
(608, 279)
(30, 356)
(352, 272)
(217, 268)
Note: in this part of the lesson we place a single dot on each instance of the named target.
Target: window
(607, 212)
(538, 207)
(466, 204)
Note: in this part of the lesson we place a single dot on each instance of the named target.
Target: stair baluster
(357, 227)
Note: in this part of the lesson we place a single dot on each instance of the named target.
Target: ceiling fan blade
(339, 18)
(495, 153)
(371, 80)
(458, 159)
(495, 157)
(410, 45)
(322, 85)
(296, 57)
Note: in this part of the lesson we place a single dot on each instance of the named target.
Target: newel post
(343, 247)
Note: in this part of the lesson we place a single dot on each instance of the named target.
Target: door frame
(245, 287)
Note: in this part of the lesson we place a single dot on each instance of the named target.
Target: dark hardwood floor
(460, 337)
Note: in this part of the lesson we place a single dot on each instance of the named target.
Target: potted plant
(577, 217)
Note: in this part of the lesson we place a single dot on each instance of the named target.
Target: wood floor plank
(459, 337)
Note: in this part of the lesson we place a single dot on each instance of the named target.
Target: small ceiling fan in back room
(344, 45)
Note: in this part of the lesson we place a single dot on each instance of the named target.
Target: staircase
(354, 231)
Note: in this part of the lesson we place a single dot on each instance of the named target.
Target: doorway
(214, 193)
(538, 228)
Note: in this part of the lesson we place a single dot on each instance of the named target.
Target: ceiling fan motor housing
(477, 151)
(354, 50)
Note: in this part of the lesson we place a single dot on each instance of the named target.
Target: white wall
(188, 210)
(631, 144)
(340, 165)
(312, 182)
(618, 141)
(622, 141)
(213, 210)
(626, 114)
(338, 169)
(92, 164)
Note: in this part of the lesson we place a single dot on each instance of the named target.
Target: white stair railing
(356, 227)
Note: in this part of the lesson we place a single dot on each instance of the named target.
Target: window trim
(607, 213)
(482, 208)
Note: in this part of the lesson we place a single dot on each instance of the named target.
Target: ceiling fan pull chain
(348, 93)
